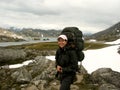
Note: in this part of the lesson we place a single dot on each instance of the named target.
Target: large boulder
(106, 75)
(108, 87)
(8, 56)
(22, 76)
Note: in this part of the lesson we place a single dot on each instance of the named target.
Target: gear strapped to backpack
(75, 40)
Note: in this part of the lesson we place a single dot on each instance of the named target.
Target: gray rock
(106, 75)
(108, 87)
(31, 87)
(11, 54)
(82, 70)
(24, 76)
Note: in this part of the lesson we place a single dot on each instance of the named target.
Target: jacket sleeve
(56, 58)
(73, 66)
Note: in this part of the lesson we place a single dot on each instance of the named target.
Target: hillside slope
(110, 34)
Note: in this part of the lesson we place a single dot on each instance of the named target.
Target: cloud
(88, 15)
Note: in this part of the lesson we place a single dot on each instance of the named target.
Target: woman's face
(61, 42)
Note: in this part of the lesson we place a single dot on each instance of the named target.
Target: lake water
(3, 44)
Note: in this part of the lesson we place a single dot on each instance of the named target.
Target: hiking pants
(66, 82)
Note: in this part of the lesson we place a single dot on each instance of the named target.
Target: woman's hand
(59, 69)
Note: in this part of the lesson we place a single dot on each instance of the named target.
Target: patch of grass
(94, 45)
(37, 46)
(43, 46)
(54, 46)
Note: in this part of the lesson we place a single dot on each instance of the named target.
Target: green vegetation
(37, 46)
(94, 45)
(44, 46)
(54, 46)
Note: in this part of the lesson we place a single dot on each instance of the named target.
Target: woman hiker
(66, 63)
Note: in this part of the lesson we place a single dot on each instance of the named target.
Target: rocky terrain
(13, 56)
(40, 75)
(7, 36)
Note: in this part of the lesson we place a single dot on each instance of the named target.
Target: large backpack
(75, 40)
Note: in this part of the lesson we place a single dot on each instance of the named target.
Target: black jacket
(67, 59)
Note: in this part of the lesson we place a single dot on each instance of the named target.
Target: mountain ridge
(110, 34)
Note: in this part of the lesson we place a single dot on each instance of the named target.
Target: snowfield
(102, 58)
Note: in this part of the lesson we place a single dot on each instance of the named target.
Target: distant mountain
(110, 34)
(36, 34)
(30, 34)
(26, 34)
(6, 36)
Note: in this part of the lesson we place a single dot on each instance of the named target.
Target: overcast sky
(87, 15)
